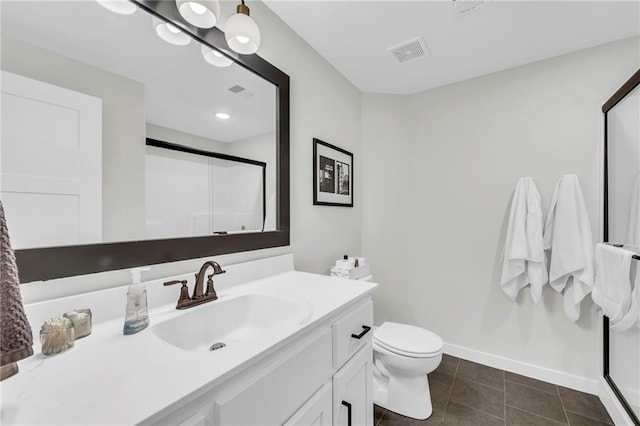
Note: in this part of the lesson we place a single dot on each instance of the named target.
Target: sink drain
(217, 345)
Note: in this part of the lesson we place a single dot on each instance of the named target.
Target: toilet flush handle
(365, 330)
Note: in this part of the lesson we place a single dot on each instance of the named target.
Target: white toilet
(403, 355)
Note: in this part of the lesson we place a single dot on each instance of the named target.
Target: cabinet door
(316, 411)
(352, 390)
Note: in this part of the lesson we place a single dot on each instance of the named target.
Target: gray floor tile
(532, 383)
(516, 417)
(481, 373)
(478, 396)
(393, 419)
(460, 415)
(449, 359)
(584, 404)
(445, 373)
(535, 401)
(377, 414)
(439, 399)
(441, 385)
(578, 420)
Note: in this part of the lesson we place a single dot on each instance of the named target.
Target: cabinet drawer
(350, 333)
(273, 396)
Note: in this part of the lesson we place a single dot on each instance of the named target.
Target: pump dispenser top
(137, 312)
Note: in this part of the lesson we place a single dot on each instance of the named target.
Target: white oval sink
(230, 321)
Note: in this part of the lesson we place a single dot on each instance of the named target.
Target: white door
(352, 390)
(50, 165)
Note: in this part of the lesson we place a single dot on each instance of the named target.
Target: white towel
(523, 259)
(567, 233)
(612, 290)
(632, 316)
(634, 215)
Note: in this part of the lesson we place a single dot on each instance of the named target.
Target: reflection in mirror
(80, 95)
(217, 193)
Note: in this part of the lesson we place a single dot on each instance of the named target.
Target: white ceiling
(354, 36)
(182, 91)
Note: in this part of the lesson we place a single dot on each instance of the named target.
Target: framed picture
(332, 175)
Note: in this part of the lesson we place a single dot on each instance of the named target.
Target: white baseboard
(536, 372)
(612, 404)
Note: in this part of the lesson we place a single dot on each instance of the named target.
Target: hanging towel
(612, 290)
(634, 216)
(16, 340)
(632, 316)
(523, 260)
(567, 233)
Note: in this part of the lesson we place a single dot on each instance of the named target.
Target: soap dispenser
(137, 313)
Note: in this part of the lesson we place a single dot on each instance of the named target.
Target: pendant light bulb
(214, 57)
(169, 32)
(201, 13)
(121, 7)
(242, 32)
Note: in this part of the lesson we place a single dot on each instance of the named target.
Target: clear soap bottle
(137, 312)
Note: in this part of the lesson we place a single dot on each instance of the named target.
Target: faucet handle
(184, 292)
(210, 292)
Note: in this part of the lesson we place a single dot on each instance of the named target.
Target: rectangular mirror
(83, 92)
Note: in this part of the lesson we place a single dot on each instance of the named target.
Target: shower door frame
(618, 96)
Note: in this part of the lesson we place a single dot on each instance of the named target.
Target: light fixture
(169, 32)
(121, 7)
(201, 13)
(241, 31)
(214, 57)
(223, 115)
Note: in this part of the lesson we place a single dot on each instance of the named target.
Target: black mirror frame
(57, 262)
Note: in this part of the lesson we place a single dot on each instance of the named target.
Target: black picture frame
(332, 175)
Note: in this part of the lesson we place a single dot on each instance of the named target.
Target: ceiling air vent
(410, 50)
(236, 89)
(240, 91)
(461, 7)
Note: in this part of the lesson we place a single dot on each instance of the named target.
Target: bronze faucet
(198, 297)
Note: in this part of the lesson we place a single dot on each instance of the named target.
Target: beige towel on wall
(16, 339)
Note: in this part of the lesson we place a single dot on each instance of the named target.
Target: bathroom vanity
(297, 350)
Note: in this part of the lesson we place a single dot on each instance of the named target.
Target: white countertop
(109, 378)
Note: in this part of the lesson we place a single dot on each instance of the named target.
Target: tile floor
(466, 393)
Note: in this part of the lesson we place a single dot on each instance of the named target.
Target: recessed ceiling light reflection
(223, 115)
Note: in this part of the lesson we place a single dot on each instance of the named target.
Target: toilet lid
(403, 338)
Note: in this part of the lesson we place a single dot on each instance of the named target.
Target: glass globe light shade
(242, 33)
(201, 13)
(169, 32)
(214, 57)
(121, 7)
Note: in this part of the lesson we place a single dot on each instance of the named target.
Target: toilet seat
(407, 340)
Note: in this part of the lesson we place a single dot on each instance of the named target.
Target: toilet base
(409, 397)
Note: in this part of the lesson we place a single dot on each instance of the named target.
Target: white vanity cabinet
(321, 379)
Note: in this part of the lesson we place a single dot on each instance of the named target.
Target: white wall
(326, 106)
(260, 148)
(468, 144)
(123, 131)
(166, 134)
